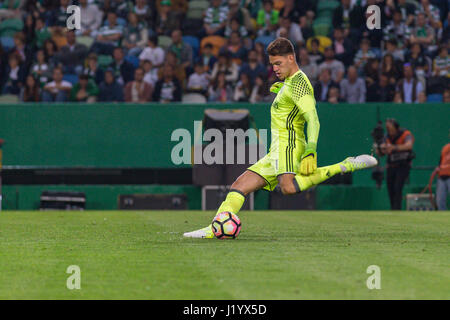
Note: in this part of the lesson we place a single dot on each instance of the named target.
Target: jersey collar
(288, 79)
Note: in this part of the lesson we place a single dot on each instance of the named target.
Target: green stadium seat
(104, 61)
(87, 41)
(9, 98)
(164, 42)
(327, 5)
(199, 4)
(321, 29)
(9, 27)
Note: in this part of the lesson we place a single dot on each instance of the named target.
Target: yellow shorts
(286, 159)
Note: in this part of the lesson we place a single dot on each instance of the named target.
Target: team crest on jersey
(275, 104)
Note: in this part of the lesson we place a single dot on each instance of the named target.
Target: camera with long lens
(378, 138)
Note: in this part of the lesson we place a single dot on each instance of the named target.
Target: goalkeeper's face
(283, 66)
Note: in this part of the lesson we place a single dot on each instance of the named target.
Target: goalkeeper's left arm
(308, 162)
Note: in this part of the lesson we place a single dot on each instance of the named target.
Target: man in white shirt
(57, 90)
(153, 53)
(91, 18)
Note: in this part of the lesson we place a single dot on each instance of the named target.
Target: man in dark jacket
(110, 90)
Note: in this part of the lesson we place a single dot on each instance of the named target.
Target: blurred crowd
(200, 50)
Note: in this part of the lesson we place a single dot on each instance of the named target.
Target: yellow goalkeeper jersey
(295, 97)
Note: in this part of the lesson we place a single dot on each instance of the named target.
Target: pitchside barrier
(115, 136)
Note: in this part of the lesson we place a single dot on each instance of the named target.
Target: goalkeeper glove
(308, 162)
(276, 87)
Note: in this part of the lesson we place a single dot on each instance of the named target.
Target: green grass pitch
(279, 255)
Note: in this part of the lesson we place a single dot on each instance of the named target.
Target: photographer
(397, 145)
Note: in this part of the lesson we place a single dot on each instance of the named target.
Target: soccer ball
(226, 225)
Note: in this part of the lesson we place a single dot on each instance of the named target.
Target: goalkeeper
(292, 161)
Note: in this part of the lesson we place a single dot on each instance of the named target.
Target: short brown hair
(280, 47)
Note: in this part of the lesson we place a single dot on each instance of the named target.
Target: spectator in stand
(305, 23)
(234, 26)
(215, 18)
(260, 90)
(178, 70)
(322, 87)
(50, 50)
(199, 80)
(398, 97)
(307, 66)
(110, 90)
(243, 89)
(153, 53)
(372, 71)
(392, 49)
(290, 10)
(29, 29)
(30, 92)
(419, 62)
(262, 56)
(397, 30)
(353, 88)
(343, 47)
(167, 20)
(138, 90)
(168, 88)
(182, 50)
(41, 33)
(431, 12)
(236, 48)
(447, 96)
(337, 67)
(72, 55)
(40, 69)
(220, 90)
(14, 77)
(406, 9)
(92, 69)
(441, 63)
(124, 70)
(151, 73)
(383, 91)
(58, 16)
(267, 19)
(423, 34)
(252, 67)
(350, 19)
(422, 97)
(22, 51)
(207, 57)
(408, 86)
(180, 7)
(235, 10)
(226, 65)
(334, 95)
(294, 32)
(85, 90)
(314, 54)
(57, 90)
(145, 12)
(135, 35)
(91, 18)
(109, 36)
(390, 69)
(363, 55)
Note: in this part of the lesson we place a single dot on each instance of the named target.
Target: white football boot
(204, 233)
(360, 162)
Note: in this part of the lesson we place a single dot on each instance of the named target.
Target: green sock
(321, 174)
(233, 203)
